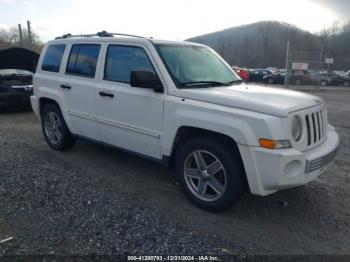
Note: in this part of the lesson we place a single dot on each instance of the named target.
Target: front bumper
(270, 170)
(14, 100)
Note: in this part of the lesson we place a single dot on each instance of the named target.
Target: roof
(114, 37)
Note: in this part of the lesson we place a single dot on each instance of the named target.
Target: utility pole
(320, 67)
(29, 36)
(20, 35)
(286, 78)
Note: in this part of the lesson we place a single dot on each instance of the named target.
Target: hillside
(263, 44)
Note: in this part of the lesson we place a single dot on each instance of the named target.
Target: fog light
(293, 168)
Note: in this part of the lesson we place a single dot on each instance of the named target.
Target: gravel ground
(94, 200)
(52, 206)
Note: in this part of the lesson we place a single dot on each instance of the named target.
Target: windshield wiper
(237, 81)
(204, 83)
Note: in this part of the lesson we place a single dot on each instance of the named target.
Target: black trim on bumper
(321, 161)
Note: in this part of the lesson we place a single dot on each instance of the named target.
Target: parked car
(16, 77)
(257, 75)
(15, 88)
(335, 79)
(315, 77)
(273, 69)
(308, 77)
(340, 73)
(243, 73)
(300, 77)
(297, 77)
(179, 103)
(277, 78)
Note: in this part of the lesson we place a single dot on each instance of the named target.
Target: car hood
(18, 58)
(273, 101)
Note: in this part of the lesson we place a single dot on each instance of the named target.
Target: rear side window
(121, 60)
(52, 58)
(83, 59)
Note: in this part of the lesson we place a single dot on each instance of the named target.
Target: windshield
(14, 72)
(195, 66)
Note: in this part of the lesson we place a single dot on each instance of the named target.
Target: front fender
(244, 127)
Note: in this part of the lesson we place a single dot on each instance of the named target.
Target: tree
(11, 37)
(263, 44)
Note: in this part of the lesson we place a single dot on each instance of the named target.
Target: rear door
(79, 84)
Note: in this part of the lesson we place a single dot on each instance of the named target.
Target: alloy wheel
(205, 175)
(53, 127)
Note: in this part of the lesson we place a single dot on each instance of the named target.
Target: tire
(270, 81)
(324, 83)
(346, 83)
(57, 135)
(198, 185)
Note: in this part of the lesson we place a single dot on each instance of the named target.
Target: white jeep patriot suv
(181, 104)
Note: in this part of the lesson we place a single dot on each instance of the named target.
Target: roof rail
(99, 34)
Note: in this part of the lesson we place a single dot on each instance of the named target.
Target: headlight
(296, 128)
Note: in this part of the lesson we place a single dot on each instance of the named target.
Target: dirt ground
(97, 200)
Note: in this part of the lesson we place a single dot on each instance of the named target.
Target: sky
(165, 19)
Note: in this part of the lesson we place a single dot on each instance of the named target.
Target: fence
(303, 67)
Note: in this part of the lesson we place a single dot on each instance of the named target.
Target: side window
(83, 59)
(72, 59)
(52, 58)
(121, 60)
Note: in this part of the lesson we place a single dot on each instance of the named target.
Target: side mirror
(146, 79)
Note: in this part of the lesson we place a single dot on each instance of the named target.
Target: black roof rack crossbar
(99, 34)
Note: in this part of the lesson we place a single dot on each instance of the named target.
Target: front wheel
(210, 173)
(55, 130)
(346, 83)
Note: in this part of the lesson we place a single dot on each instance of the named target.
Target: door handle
(106, 94)
(65, 86)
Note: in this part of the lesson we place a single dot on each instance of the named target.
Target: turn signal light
(274, 144)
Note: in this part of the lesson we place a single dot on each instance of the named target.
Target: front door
(129, 117)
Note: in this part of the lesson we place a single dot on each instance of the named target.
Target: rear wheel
(210, 174)
(270, 81)
(55, 130)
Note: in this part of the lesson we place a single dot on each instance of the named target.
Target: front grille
(316, 125)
